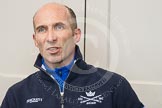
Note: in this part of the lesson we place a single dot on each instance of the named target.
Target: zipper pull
(62, 99)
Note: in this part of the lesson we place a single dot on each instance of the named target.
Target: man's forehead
(50, 8)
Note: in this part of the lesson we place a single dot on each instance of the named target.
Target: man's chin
(57, 62)
(54, 59)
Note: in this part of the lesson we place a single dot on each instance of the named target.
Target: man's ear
(35, 40)
(77, 35)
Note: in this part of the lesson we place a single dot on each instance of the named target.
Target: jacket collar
(79, 67)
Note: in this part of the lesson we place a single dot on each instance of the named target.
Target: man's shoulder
(109, 72)
(26, 82)
(112, 77)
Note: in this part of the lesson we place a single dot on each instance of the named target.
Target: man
(64, 80)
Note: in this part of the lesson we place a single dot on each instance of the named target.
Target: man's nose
(51, 36)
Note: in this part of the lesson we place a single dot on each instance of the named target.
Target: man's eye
(59, 27)
(41, 30)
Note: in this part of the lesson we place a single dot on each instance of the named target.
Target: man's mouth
(53, 50)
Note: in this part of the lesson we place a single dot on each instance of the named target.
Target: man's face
(54, 36)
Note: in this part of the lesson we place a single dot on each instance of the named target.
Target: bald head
(60, 9)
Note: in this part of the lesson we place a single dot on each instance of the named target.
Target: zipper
(62, 99)
(61, 93)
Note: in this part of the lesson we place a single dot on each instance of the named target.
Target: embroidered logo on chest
(34, 100)
(90, 98)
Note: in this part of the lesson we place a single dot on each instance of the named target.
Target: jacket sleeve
(9, 100)
(125, 97)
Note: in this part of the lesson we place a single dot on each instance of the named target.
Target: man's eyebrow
(59, 23)
(40, 26)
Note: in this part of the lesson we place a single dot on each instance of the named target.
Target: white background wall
(136, 46)
(122, 35)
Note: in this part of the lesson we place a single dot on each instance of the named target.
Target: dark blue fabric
(60, 74)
